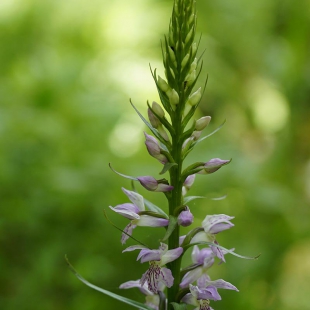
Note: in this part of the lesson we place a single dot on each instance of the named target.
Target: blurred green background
(68, 69)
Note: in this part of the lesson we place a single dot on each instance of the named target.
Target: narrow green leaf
(167, 167)
(218, 246)
(123, 175)
(154, 208)
(212, 133)
(115, 296)
(173, 221)
(154, 131)
(179, 306)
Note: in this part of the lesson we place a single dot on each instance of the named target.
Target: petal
(203, 254)
(166, 276)
(128, 229)
(147, 220)
(220, 227)
(127, 210)
(201, 237)
(211, 220)
(135, 198)
(218, 252)
(136, 283)
(190, 300)
(195, 254)
(147, 255)
(171, 255)
(134, 247)
(209, 292)
(191, 277)
(222, 284)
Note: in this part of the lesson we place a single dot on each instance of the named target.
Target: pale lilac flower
(152, 184)
(204, 259)
(132, 212)
(151, 299)
(185, 217)
(205, 290)
(213, 165)
(200, 297)
(156, 273)
(154, 149)
(212, 225)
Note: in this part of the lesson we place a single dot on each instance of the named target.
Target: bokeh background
(68, 69)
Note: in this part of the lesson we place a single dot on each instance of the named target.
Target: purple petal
(198, 256)
(147, 255)
(189, 181)
(209, 292)
(136, 283)
(134, 247)
(128, 229)
(135, 198)
(166, 277)
(191, 277)
(211, 220)
(222, 284)
(127, 210)
(171, 255)
(151, 221)
(218, 252)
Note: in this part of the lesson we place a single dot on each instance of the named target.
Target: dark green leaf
(154, 208)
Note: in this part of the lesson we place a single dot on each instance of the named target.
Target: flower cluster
(173, 136)
(174, 132)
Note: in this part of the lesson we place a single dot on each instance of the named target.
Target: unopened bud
(196, 135)
(162, 84)
(193, 65)
(185, 218)
(194, 48)
(155, 122)
(158, 109)
(171, 54)
(190, 78)
(189, 35)
(191, 19)
(185, 61)
(202, 123)
(173, 97)
(194, 98)
(213, 165)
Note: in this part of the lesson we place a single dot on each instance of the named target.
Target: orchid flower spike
(212, 225)
(156, 273)
(132, 212)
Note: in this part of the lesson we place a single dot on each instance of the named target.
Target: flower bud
(189, 181)
(173, 97)
(189, 35)
(190, 78)
(202, 123)
(194, 98)
(155, 122)
(154, 149)
(196, 135)
(158, 109)
(193, 65)
(194, 48)
(171, 54)
(153, 185)
(185, 218)
(162, 84)
(213, 165)
(191, 19)
(185, 61)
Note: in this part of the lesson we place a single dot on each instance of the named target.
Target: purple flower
(156, 273)
(206, 289)
(154, 149)
(151, 299)
(185, 218)
(132, 212)
(213, 165)
(204, 259)
(212, 225)
(152, 184)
